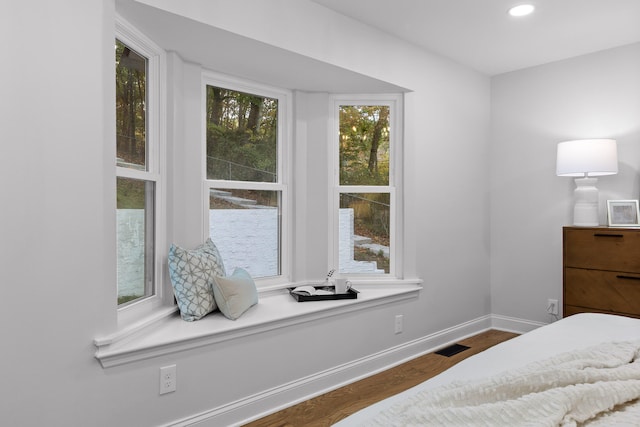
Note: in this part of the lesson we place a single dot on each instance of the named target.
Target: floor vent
(452, 349)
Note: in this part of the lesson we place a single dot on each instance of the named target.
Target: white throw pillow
(235, 294)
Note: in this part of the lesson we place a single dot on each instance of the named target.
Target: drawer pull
(622, 276)
(607, 235)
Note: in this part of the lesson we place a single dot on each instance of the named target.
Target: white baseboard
(278, 398)
(513, 324)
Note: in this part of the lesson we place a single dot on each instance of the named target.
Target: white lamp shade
(587, 157)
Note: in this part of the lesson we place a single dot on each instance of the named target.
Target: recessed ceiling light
(521, 10)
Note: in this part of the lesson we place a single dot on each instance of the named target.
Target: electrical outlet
(398, 323)
(552, 306)
(168, 379)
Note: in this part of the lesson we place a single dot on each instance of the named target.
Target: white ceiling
(481, 35)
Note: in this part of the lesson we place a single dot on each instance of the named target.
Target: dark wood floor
(331, 407)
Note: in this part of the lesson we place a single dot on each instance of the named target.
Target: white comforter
(597, 386)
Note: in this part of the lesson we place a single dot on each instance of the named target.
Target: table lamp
(586, 159)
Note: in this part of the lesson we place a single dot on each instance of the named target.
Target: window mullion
(245, 185)
(364, 188)
(137, 174)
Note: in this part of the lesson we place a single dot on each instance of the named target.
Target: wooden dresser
(601, 270)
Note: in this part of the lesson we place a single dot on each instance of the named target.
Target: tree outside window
(364, 190)
(245, 188)
(135, 189)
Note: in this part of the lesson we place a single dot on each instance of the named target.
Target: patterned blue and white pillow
(192, 273)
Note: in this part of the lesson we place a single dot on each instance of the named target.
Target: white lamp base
(585, 211)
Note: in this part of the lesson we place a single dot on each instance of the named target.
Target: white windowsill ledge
(275, 309)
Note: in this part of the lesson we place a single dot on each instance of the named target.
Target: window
(245, 177)
(135, 225)
(137, 164)
(366, 185)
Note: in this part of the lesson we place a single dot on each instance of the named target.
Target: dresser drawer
(602, 249)
(602, 290)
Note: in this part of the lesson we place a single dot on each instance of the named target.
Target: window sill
(275, 309)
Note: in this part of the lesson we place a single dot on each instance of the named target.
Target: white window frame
(210, 78)
(155, 170)
(394, 102)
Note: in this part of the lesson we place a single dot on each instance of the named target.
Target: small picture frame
(623, 213)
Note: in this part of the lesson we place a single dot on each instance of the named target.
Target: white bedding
(575, 332)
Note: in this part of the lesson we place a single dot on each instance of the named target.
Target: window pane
(364, 145)
(135, 238)
(364, 233)
(131, 88)
(245, 226)
(241, 136)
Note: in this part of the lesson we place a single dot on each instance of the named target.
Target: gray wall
(57, 225)
(591, 96)
(58, 218)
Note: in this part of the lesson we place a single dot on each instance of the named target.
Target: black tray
(351, 294)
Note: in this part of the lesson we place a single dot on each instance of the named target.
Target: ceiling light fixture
(521, 10)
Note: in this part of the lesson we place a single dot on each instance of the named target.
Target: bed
(581, 370)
